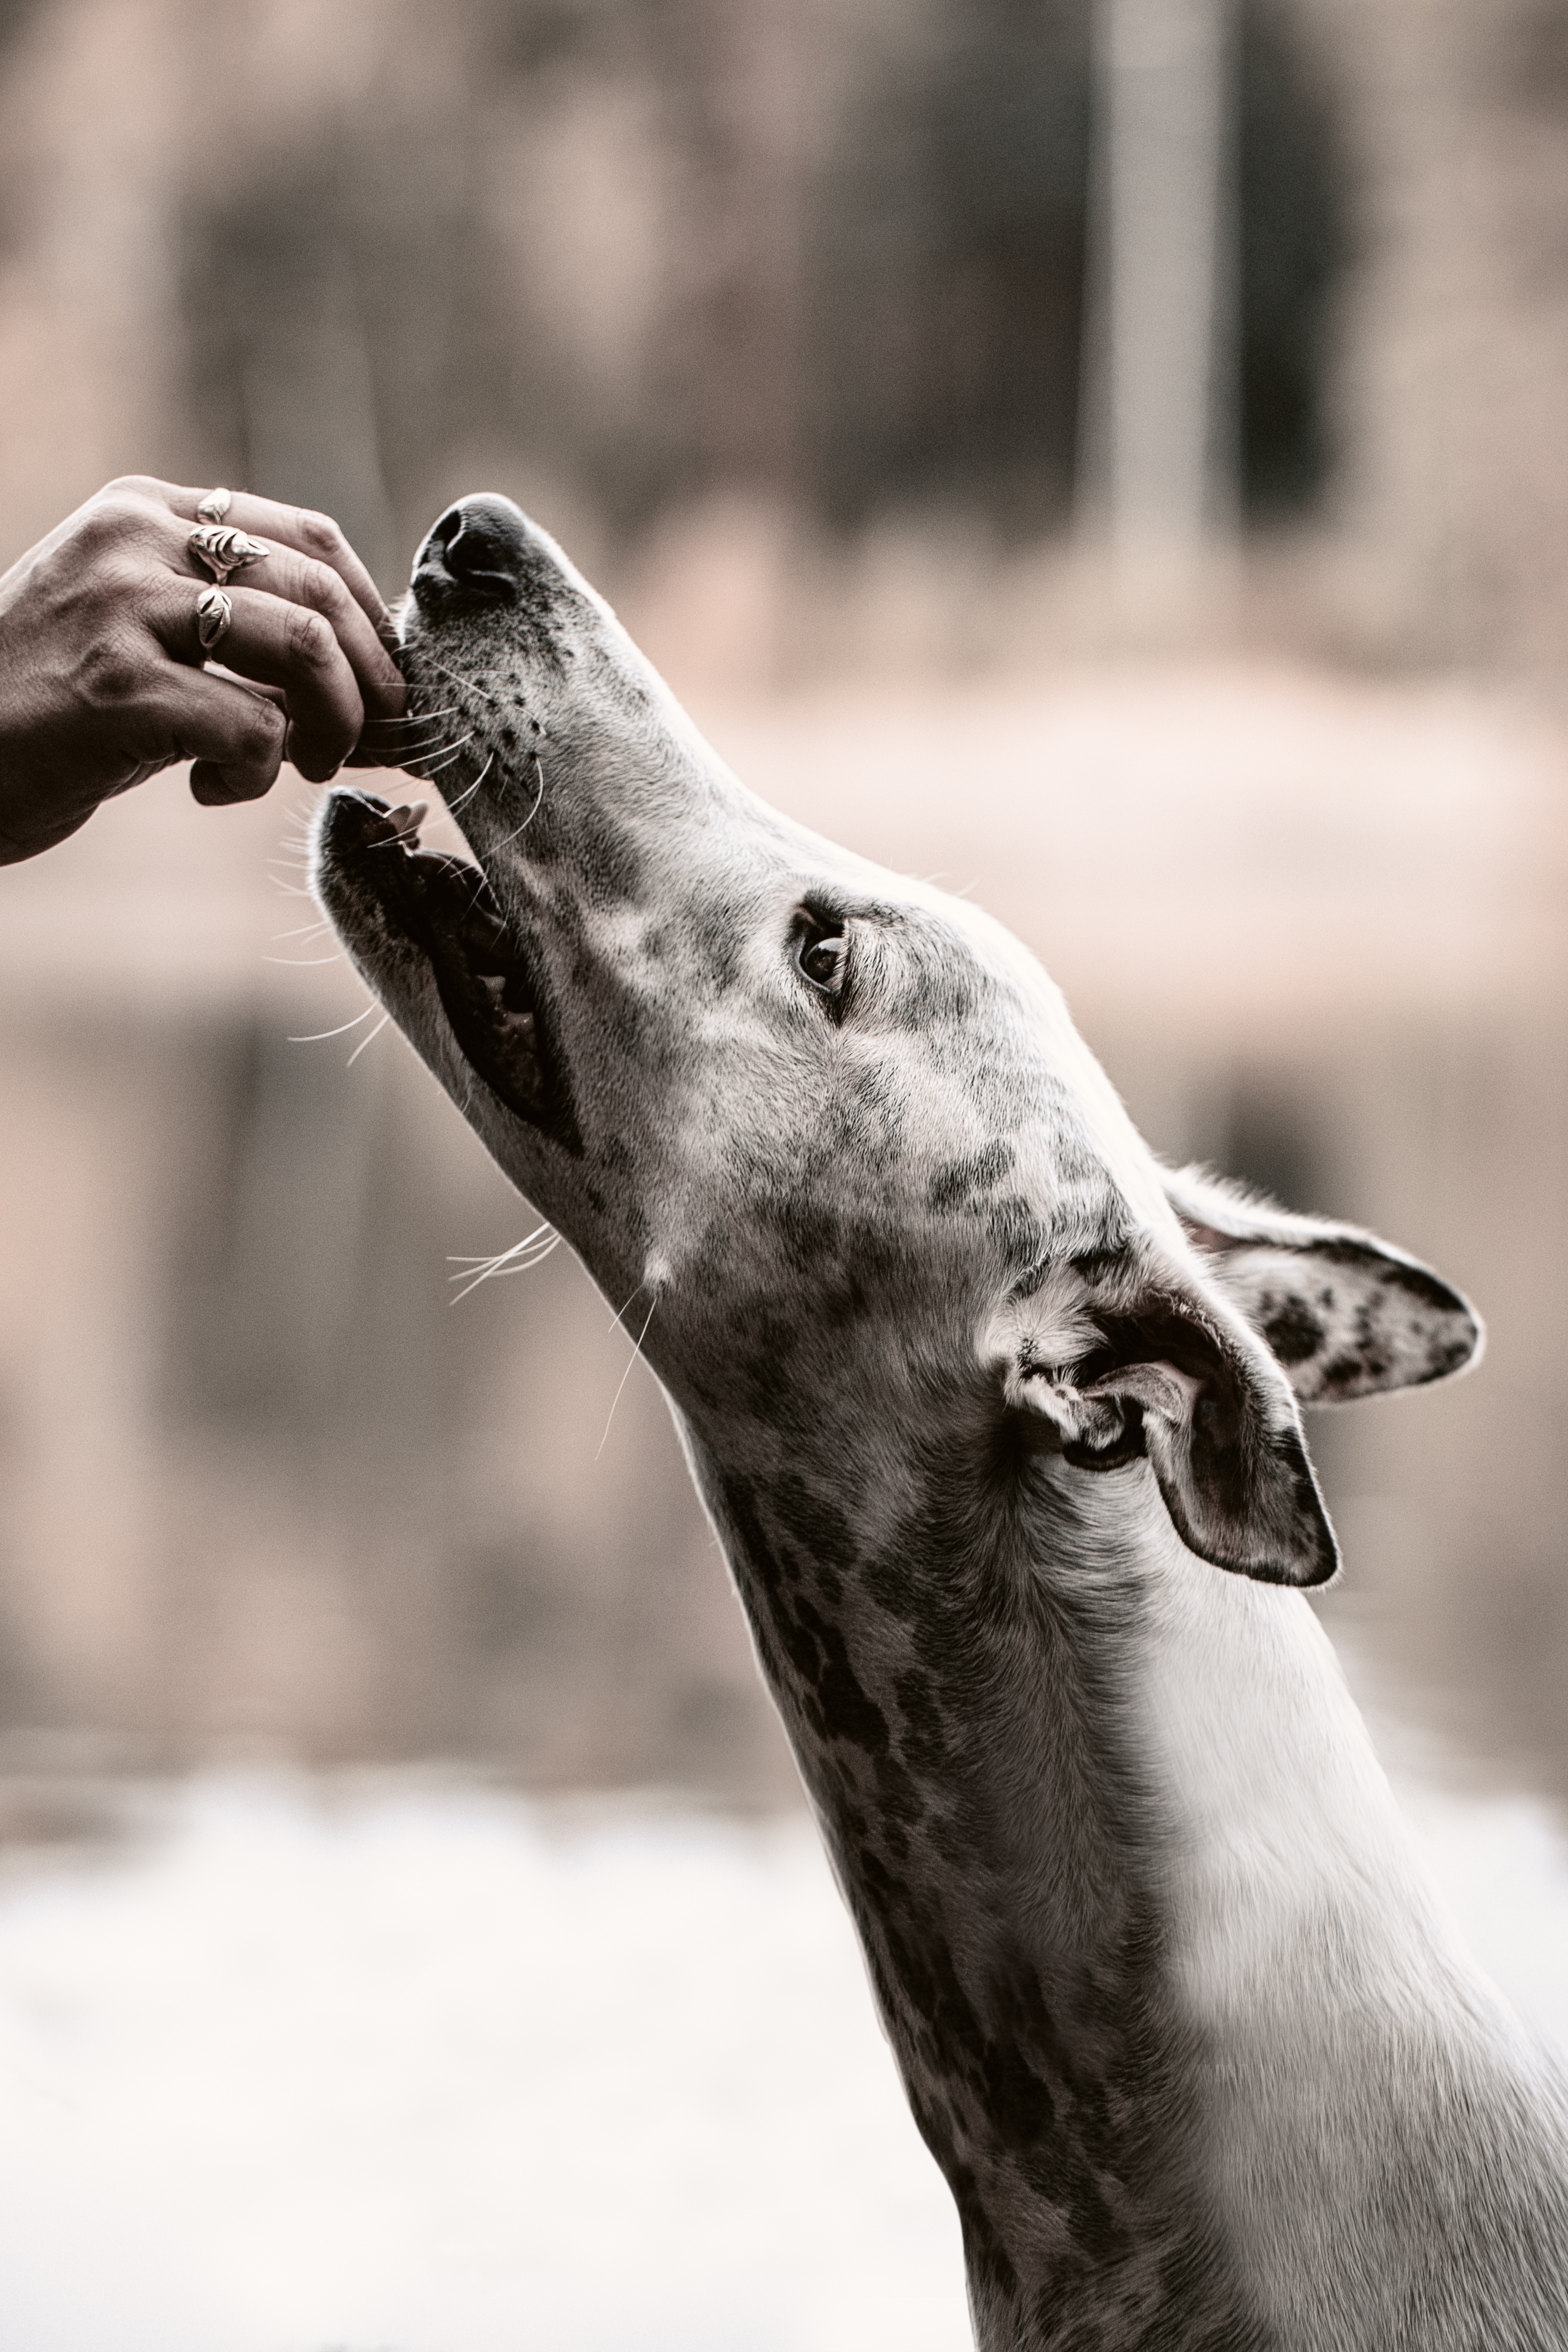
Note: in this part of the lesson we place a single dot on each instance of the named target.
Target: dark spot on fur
(605, 860)
(924, 1735)
(954, 1183)
(810, 1231)
(890, 1585)
(1447, 1355)
(985, 2256)
(1372, 1344)
(847, 1713)
(1023, 1240)
(900, 1798)
(1425, 1289)
(835, 1699)
(1294, 1332)
(816, 1521)
(767, 1370)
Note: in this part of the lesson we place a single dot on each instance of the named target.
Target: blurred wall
(759, 287)
(783, 317)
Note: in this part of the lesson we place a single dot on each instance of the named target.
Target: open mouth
(491, 995)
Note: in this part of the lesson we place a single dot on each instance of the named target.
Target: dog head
(827, 1137)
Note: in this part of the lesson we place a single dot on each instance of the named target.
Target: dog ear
(1344, 1314)
(1124, 1356)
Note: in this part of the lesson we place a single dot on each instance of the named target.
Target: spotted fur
(1345, 1315)
(985, 1405)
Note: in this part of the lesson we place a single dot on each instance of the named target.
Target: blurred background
(1110, 454)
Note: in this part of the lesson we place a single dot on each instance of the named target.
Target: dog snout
(479, 548)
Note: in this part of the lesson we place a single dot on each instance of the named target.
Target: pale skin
(103, 681)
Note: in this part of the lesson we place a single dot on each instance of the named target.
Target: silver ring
(215, 505)
(223, 550)
(215, 612)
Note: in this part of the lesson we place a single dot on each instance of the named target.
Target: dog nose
(479, 546)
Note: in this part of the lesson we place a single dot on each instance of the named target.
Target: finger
(234, 737)
(284, 645)
(251, 685)
(299, 581)
(295, 579)
(314, 536)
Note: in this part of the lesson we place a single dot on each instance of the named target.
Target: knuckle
(319, 535)
(308, 639)
(320, 588)
(108, 522)
(113, 670)
(258, 734)
(121, 581)
(126, 486)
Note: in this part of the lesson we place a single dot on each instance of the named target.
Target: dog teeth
(519, 1026)
(407, 819)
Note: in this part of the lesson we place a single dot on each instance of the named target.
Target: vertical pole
(1161, 421)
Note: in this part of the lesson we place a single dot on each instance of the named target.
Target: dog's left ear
(1122, 1356)
(1344, 1314)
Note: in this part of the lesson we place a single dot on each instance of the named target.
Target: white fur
(1312, 1956)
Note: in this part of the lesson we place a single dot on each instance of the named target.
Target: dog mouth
(491, 990)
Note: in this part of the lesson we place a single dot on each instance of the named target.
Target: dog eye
(821, 956)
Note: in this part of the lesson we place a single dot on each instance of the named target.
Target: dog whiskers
(320, 1036)
(406, 719)
(368, 1040)
(445, 757)
(532, 813)
(467, 795)
(521, 1256)
(631, 1360)
(428, 660)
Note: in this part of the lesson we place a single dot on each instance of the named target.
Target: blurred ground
(379, 2062)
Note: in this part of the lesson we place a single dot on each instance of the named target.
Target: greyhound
(997, 1419)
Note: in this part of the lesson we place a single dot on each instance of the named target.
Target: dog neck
(1166, 1988)
(956, 1712)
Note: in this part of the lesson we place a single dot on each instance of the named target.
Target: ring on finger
(221, 550)
(215, 505)
(215, 613)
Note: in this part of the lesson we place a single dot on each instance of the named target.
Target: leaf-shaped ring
(214, 611)
(223, 549)
(215, 505)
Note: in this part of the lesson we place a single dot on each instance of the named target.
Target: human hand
(102, 680)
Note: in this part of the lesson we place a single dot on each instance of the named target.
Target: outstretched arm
(103, 667)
